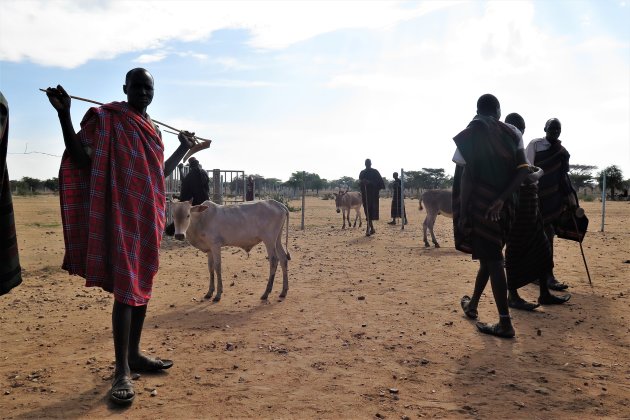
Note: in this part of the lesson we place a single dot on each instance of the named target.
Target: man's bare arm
(185, 143)
(60, 100)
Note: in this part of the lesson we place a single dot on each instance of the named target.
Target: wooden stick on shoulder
(197, 138)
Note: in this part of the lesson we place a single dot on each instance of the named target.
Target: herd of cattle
(209, 227)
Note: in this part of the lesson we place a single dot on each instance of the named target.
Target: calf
(436, 202)
(210, 226)
(345, 201)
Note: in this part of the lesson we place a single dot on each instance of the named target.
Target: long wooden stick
(153, 119)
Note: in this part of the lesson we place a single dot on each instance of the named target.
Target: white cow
(345, 201)
(436, 202)
(210, 226)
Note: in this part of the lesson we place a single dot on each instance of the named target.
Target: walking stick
(581, 248)
(200, 143)
(367, 210)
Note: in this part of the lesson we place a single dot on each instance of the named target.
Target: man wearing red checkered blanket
(112, 205)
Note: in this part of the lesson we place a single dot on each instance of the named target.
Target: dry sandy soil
(371, 328)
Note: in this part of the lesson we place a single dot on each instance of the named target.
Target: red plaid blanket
(113, 212)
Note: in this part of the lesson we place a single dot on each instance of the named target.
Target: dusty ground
(371, 328)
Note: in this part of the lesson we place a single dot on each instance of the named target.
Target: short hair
(487, 104)
(134, 71)
(516, 120)
(550, 120)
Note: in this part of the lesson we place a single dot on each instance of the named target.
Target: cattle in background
(345, 201)
(210, 226)
(435, 202)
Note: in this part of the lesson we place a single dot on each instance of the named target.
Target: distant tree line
(582, 176)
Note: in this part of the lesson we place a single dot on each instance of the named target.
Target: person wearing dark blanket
(112, 194)
(371, 183)
(10, 269)
(555, 192)
(491, 166)
(196, 184)
(527, 251)
(396, 195)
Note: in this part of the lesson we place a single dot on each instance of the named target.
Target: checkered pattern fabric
(113, 212)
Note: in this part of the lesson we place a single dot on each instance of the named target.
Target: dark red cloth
(113, 212)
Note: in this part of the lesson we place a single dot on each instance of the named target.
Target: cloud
(151, 58)
(68, 33)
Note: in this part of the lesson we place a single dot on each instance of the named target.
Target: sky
(319, 86)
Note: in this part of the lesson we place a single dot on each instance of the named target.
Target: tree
(614, 179)
(435, 178)
(52, 184)
(345, 182)
(33, 184)
(581, 175)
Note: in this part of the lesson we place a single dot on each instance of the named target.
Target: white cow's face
(181, 218)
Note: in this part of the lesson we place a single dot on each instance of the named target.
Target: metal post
(216, 186)
(603, 198)
(303, 197)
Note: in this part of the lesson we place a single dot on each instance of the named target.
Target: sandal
(122, 384)
(470, 312)
(150, 365)
(495, 329)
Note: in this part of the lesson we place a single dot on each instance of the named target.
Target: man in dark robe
(112, 194)
(371, 183)
(249, 189)
(491, 166)
(396, 198)
(555, 192)
(196, 184)
(527, 251)
(10, 270)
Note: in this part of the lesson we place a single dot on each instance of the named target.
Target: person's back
(195, 185)
(491, 166)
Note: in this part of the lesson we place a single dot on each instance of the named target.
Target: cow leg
(348, 217)
(431, 223)
(273, 266)
(343, 217)
(284, 264)
(217, 268)
(359, 216)
(424, 231)
(211, 270)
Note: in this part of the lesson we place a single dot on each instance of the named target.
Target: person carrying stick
(371, 183)
(111, 187)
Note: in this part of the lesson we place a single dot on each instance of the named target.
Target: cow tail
(286, 241)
